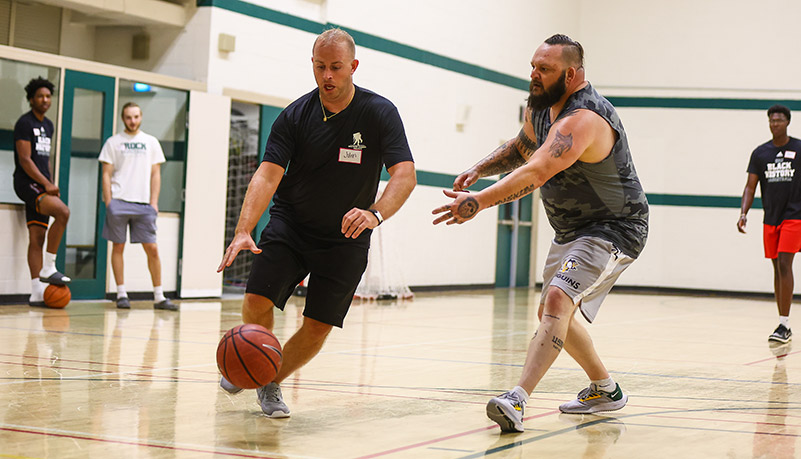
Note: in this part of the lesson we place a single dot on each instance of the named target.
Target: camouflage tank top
(604, 199)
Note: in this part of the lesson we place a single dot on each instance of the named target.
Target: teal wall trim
(367, 40)
(702, 103)
(439, 180)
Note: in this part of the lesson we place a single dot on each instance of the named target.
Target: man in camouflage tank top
(574, 149)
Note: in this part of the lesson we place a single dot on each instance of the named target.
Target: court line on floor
(620, 419)
(776, 357)
(233, 452)
(449, 437)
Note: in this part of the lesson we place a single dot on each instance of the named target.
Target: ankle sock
(37, 290)
(785, 320)
(158, 294)
(49, 265)
(520, 393)
(121, 293)
(606, 385)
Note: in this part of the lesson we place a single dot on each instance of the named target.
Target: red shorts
(783, 238)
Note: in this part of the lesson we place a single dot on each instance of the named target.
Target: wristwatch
(377, 215)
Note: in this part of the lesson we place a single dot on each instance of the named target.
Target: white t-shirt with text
(133, 158)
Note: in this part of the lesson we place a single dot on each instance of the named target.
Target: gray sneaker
(593, 400)
(507, 410)
(228, 387)
(271, 401)
(123, 303)
(166, 305)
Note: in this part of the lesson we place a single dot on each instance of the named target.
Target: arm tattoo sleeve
(525, 145)
(504, 159)
(561, 143)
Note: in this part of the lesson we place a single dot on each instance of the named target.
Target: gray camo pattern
(604, 200)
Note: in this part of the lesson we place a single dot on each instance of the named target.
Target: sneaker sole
(276, 414)
(779, 340)
(496, 412)
(600, 408)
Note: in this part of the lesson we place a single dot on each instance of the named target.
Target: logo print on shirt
(357, 141)
(789, 154)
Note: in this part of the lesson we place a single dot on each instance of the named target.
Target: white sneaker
(228, 387)
(507, 410)
(272, 402)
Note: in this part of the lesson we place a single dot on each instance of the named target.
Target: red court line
(449, 437)
(131, 443)
(772, 358)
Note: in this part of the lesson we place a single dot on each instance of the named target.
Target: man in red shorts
(773, 164)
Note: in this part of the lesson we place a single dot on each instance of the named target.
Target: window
(164, 113)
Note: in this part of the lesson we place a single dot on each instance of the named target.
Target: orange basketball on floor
(249, 356)
(57, 296)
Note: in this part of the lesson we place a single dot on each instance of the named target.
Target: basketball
(249, 356)
(57, 296)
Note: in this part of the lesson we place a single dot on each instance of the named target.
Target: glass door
(87, 121)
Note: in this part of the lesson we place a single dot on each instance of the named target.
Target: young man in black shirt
(321, 167)
(774, 164)
(33, 184)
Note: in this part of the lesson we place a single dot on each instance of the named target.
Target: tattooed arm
(582, 136)
(508, 157)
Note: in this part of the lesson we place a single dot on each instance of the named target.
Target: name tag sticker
(789, 154)
(346, 155)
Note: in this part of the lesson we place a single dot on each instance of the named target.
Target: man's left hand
(356, 221)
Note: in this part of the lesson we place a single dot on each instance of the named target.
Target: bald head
(336, 37)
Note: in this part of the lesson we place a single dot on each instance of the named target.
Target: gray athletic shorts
(122, 214)
(585, 269)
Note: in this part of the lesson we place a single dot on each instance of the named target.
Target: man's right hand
(741, 223)
(242, 241)
(52, 189)
(465, 179)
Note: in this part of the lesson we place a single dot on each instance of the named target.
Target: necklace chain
(326, 117)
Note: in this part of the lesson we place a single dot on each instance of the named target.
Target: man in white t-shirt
(131, 184)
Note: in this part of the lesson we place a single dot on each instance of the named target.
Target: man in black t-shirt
(321, 168)
(774, 164)
(33, 134)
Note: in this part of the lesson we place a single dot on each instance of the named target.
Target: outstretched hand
(242, 241)
(463, 208)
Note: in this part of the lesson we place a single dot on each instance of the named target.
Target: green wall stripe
(439, 180)
(437, 60)
(367, 40)
(701, 103)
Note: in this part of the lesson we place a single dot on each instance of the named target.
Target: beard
(549, 96)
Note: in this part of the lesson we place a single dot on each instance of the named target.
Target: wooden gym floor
(402, 379)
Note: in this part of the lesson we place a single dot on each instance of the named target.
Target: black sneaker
(123, 303)
(166, 305)
(782, 334)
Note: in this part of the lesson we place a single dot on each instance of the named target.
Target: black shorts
(31, 194)
(288, 257)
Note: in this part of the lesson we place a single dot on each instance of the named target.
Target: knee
(117, 249)
(556, 304)
(62, 213)
(316, 330)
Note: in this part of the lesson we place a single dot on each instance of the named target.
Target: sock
(785, 320)
(606, 385)
(37, 290)
(520, 393)
(49, 265)
(158, 294)
(121, 293)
